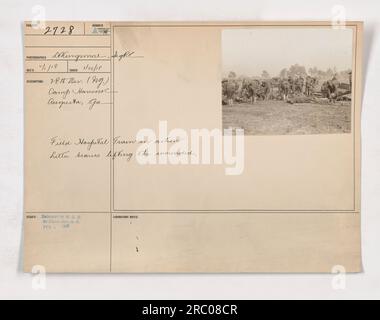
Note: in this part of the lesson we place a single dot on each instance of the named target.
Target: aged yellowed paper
(192, 147)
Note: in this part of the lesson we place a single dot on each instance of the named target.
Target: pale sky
(250, 51)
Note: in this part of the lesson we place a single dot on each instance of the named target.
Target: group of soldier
(248, 90)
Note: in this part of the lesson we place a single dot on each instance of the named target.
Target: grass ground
(280, 118)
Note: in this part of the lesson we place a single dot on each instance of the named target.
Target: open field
(280, 118)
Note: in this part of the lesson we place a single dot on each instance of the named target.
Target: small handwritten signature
(125, 54)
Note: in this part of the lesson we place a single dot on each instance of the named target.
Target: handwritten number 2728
(59, 30)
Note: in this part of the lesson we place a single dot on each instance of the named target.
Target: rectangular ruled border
(233, 25)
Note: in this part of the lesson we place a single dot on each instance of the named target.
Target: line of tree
(297, 70)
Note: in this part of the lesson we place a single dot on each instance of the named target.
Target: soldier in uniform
(300, 84)
(291, 85)
(285, 88)
(329, 90)
(333, 90)
(310, 83)
(231, 91)
(251, 93)
(335, 81)
(266, 87)
(224, 91)
(350, 76)
(325, 90)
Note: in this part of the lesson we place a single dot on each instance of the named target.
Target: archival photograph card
(192, 147)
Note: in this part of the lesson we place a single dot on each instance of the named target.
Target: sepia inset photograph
(287, 81)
